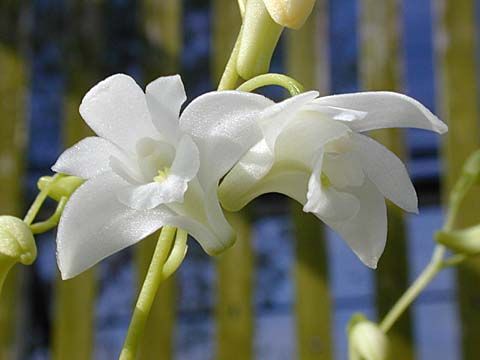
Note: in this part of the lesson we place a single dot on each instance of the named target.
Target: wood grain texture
(13, 88)
(74, 299)
(381, 68)
(458, 95)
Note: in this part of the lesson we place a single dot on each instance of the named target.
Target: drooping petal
(327, 202)
(165, 97)
(384, 110)
(386, 171)
(95, 225)
(365, 233)
(116, 109)
(87, 158)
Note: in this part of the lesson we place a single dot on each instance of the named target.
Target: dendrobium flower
(314, 151)
(149, 167)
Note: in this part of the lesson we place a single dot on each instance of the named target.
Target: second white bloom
(314, 151)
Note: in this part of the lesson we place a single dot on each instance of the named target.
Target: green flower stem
(428, 274)
(230, 76)
(44, 226)
(436, 264)
(165, 261)
(39, 200)
(292, 85)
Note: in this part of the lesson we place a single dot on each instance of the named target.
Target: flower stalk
(167, 257)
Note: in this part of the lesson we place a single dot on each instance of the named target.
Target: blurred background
(289, 286)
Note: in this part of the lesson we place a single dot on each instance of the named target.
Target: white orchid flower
(314, 151)
(150, 167)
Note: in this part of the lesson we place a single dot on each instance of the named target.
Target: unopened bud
(366, 340)
(258, 40)
(465, 241)
(290, 13)
(17, 244)
(62, 187)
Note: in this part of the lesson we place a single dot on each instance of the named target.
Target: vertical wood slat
(306, 61)
(74, 303)
(13, 86)
(234, 309)
(458, 98)
(380, 64)
(162, 25)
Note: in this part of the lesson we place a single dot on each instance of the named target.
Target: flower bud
(290, 13)
(366, 340)
(258, 40)
(465, 241)
(62, 187)
(17, 244)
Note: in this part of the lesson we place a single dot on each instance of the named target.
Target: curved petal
(87, 158)
(365, 233)
(235, 193)
(95, 225)
(223, 125)
(384, 110)
(187, 159)
(343, 170)
(386, 171)
(274, 118)
(116, 110)
(165, 97)
(325, 201)
(204, 208)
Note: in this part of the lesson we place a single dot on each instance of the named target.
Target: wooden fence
(381, 64)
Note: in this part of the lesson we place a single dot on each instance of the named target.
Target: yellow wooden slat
(234, 308)
(162, 27)
(381, 69)
(74, 302)
(458, 101)
(307, 62)
(13, 82)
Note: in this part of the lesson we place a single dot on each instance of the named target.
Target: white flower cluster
(152, 165)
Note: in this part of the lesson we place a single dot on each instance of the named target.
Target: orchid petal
(282, 179)
(384, 110)
(325, 201)
(386, 171)
(187, 159)
(87, 158)
(165, 97)
(301, 140)
(223, 126)
(365, 233)
(274, 118)
(95, 225)
(116, 110)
